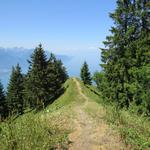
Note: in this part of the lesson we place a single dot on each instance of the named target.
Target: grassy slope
(50, 128)
(134, 129)
(44, 130)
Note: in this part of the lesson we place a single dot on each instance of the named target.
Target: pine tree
(126, 57)
(61, 71)
(100, 79)
(85, 74)
(56, 76)
(15, 91)
(43, 82)
(3, 105)
(142, 73)
(115, 57)
(35, 83)
(52, 81)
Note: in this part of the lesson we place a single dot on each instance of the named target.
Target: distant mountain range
(11, 56)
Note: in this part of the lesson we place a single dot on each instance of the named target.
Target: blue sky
(75, 28)
(63, 26)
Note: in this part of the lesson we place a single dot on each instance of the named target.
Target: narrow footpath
(90, 134)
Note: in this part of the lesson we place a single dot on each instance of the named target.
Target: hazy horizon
(61, 26)
(72, 28)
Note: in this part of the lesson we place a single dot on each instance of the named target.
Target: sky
(74, 28)
(62, 26)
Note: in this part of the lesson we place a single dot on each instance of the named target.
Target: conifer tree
(43, 82)
(126, 59)
(56, 76)
(100, 79)
(35, 83)
(85, 74)
(52, 81)
(3, 105)
(142, 71)
(61, 71)
(15, 91)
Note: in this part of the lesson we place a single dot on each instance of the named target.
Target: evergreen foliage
(56, 76)
(15, 91)
(101, 81)
(126, 58)
(39, 87)
(3, 105)
(85, 74)
(44, 79)
(35, 83)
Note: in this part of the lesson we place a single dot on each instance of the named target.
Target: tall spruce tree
(3, 105)
(126, 57)
(61, 72)
(85, 74)
(53, 83)
(43, 82)
(15, 91)
(100, 79)
(142, 71)
(35, 83)
(56, 76)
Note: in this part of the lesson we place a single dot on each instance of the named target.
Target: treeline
(39, 87)
(125, 78)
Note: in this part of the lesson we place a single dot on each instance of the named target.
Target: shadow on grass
(38, 109)
(93, 91)
(52, 99)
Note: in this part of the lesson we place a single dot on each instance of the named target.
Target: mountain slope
(74, 121)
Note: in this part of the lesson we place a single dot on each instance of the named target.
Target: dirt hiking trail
(90, 133)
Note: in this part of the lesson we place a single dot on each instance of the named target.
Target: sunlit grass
(44, 130)
(134, 129)
(49, 128)
(31, 132)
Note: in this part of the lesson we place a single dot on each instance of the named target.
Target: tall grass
(39, 131)
(30, 132)
(134, 129)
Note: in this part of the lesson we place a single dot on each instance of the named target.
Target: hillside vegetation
(77, 119)
(45, 110)
(38, 130)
